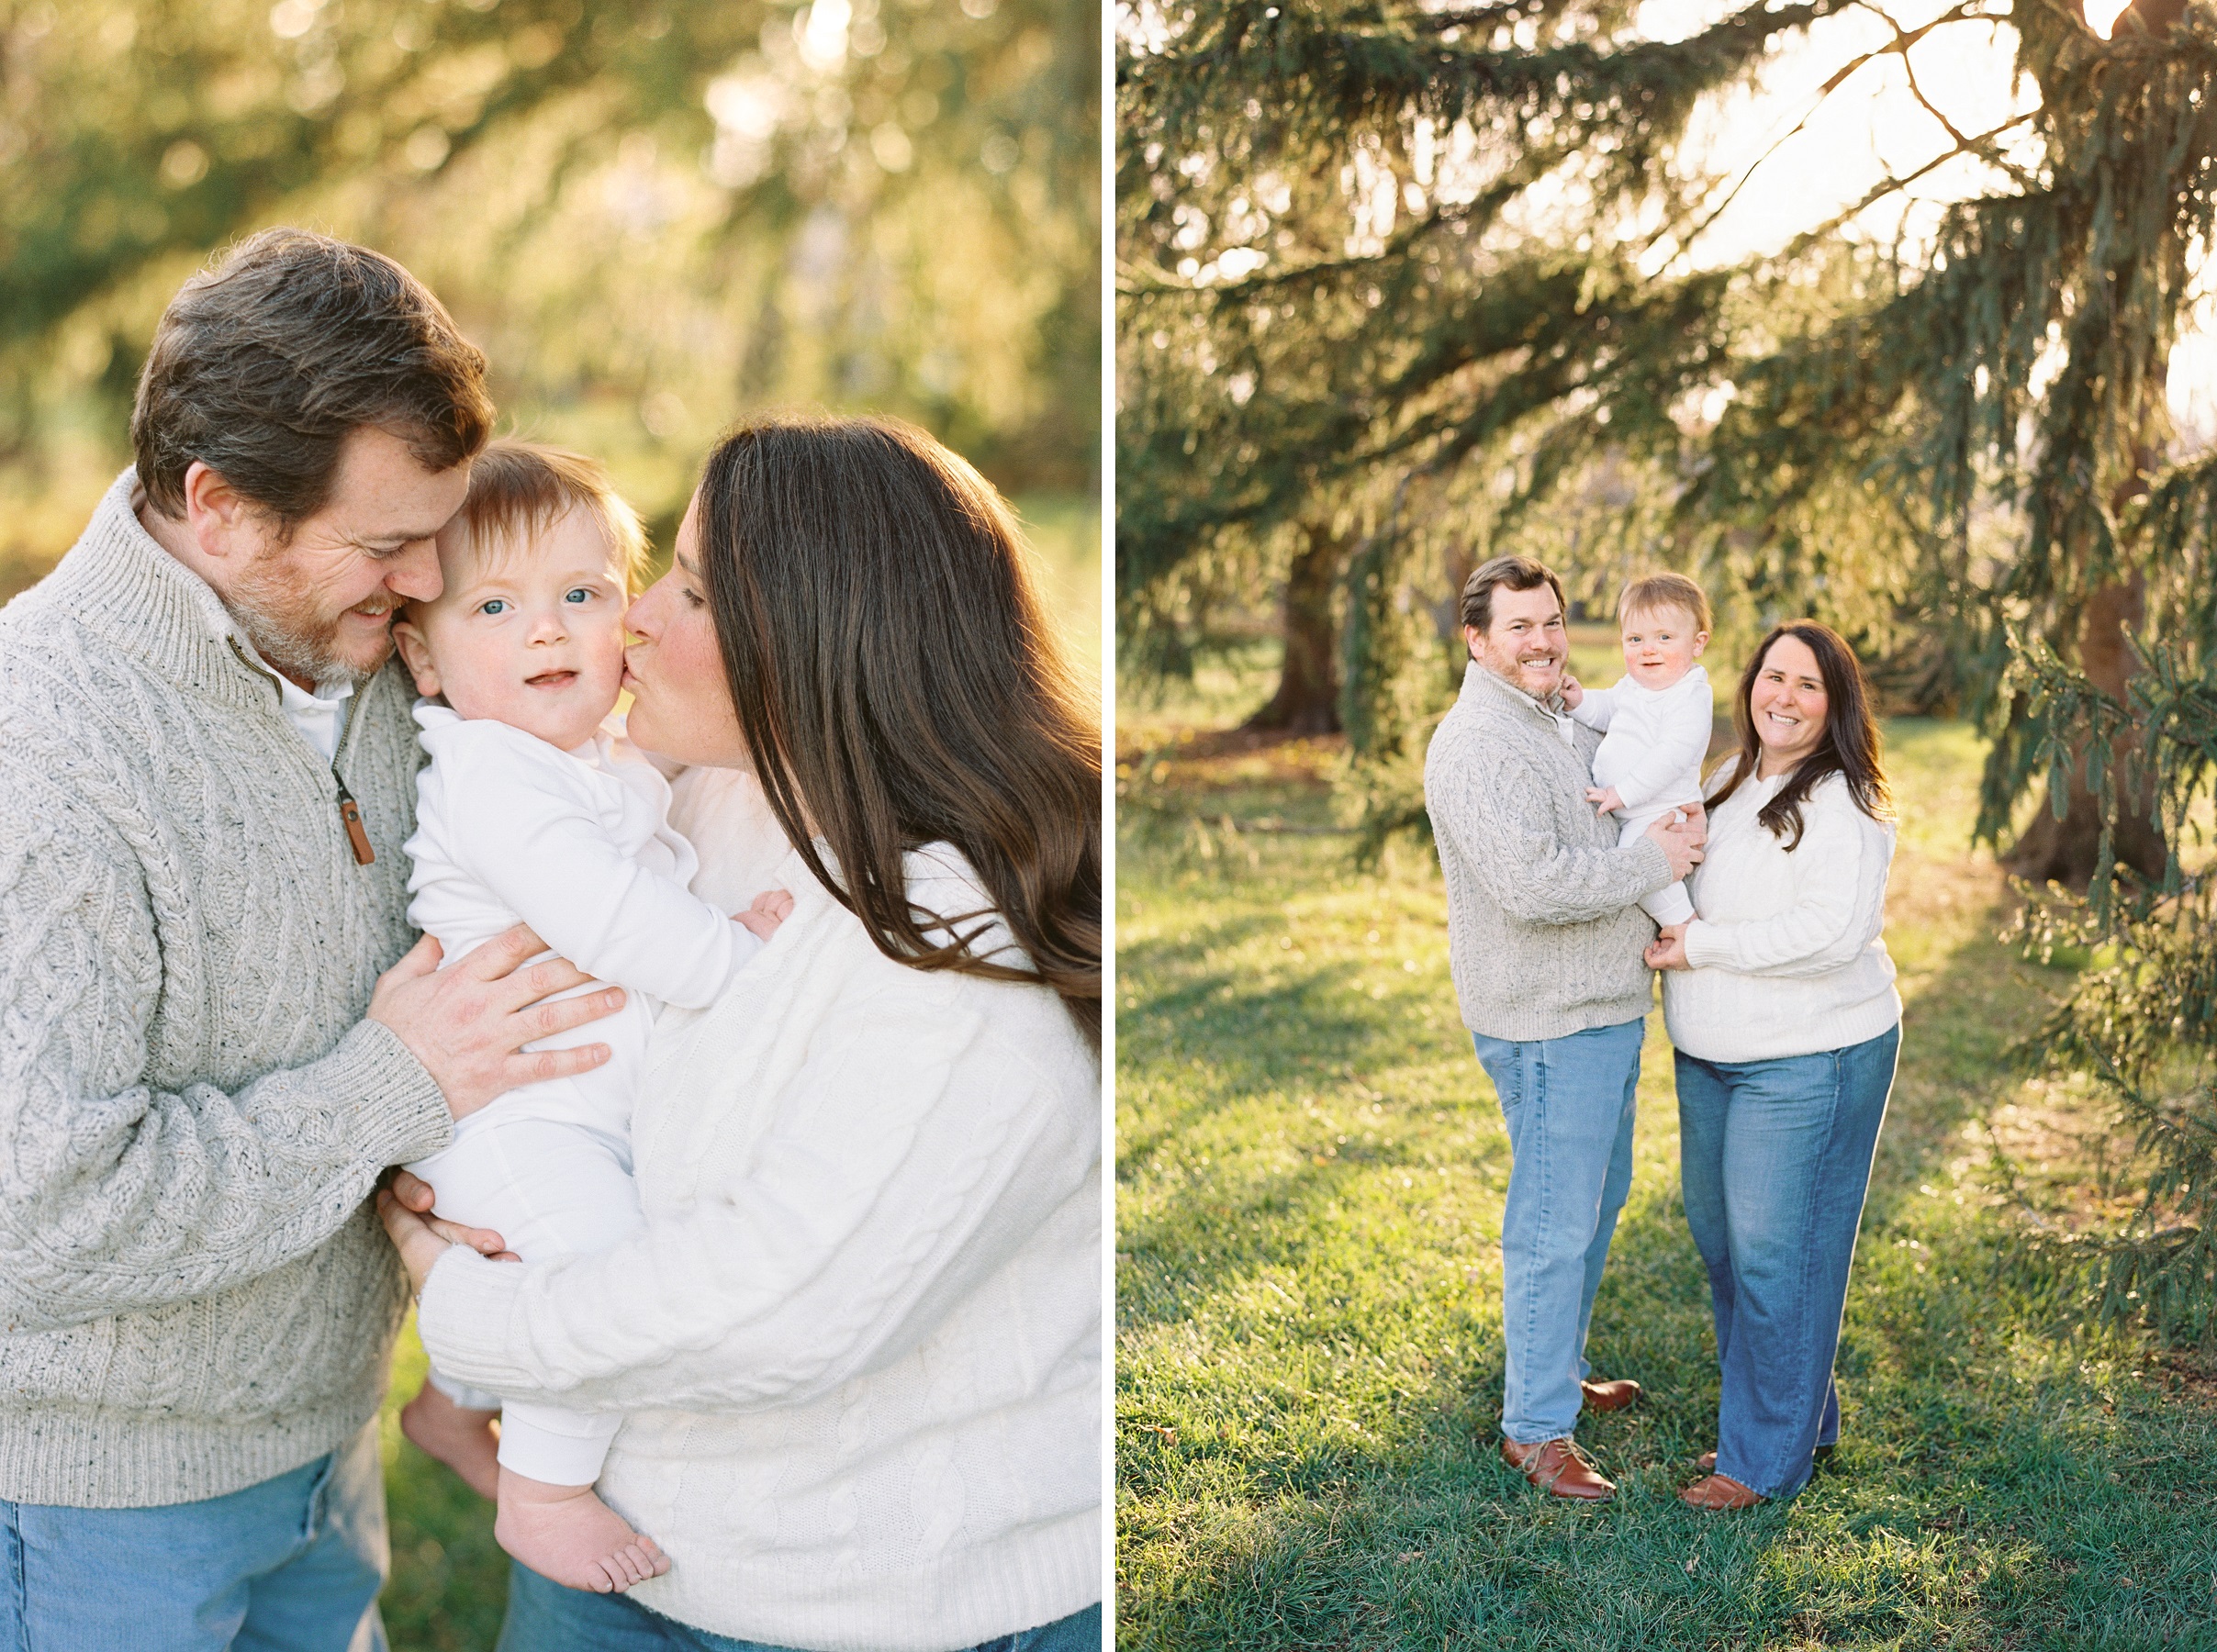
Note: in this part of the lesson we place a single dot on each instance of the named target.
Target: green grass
(449, 1585)
(1310, 1171)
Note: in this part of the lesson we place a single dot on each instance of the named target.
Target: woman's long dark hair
(900, 685)
(1849, 746)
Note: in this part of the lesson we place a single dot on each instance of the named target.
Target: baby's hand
(771, 908)
(1604, 800)
(1573, 692)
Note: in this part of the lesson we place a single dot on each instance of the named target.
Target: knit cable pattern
(194, 1292)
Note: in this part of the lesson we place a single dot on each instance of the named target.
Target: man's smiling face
(1526, 645)
(318, 603)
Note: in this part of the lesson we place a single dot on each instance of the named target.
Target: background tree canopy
(653, 214)
(1401, 285)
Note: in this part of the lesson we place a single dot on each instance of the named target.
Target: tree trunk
(1307, 697)
(2064, 851)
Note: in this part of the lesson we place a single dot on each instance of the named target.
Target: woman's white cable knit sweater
(1788, 948)
(857, 1343)
(194, 1294)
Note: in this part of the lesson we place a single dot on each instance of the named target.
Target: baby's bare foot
(568, 1536)
(465, 1440)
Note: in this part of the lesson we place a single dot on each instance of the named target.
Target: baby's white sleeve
(1596, 707)
(537, 844)
(1677, 741)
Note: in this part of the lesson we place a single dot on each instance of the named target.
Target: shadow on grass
(1253, 1037)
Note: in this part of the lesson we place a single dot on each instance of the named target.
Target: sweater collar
(120, 584)
(1480, 686)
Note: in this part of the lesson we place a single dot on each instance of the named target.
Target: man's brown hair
(1518, 572)
(1665, 591)
(266, 361)
(519, 489)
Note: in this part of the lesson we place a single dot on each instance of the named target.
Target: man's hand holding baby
(468, 1025)
(1667, 951)
(1680, 833)
(404, 1205)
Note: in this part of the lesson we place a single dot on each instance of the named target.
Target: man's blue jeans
(291, 1565)
(1569, 1106)
(547, 1617)
(1776, 1159)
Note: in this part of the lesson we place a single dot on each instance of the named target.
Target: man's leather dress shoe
(1559, 1468)
(1611, 1396)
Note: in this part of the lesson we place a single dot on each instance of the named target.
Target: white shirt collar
(318, 717)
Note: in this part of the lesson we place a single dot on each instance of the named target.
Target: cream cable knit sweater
(1788, 950)
(857, 1343)
(194, 1294)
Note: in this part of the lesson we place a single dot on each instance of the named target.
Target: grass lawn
(1310, 1172)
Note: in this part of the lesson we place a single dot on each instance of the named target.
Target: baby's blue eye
(582, 594)
(493, 604)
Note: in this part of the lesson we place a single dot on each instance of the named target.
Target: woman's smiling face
(681, 700)
(1788, 704)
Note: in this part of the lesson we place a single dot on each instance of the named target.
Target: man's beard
(1511, 669)
(291, 633)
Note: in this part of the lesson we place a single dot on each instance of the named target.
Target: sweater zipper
(350, 812)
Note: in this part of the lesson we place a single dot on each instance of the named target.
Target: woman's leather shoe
(1717, 1493)
(1560, 1469)
(1610, 1396)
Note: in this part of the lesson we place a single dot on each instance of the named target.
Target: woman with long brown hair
(856, 1344)
(1781, 1003)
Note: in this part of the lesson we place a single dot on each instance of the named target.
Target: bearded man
(207, 773)
(1546, 942)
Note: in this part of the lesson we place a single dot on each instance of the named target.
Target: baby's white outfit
(1652, 741)
(510, 830)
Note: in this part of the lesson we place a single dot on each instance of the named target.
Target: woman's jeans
(547, 1617)
(293, 1564)
(1776, 1159)
(1568, 1103)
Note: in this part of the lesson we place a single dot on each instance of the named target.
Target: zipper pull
(350, 816)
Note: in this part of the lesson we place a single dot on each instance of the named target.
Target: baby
(531, 812)
(1655, 720)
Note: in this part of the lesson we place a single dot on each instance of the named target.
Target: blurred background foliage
(654, 215)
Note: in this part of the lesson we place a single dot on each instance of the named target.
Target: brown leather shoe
(1560, 1469)
(1718, 1493)
(1611, 1396)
